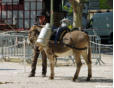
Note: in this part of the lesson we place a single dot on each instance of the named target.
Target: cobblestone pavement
(12, 76)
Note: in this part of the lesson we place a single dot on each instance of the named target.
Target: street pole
(52, 13)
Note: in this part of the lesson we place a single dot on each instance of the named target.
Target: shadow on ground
(8, 69)
(107, 50)
(83, 79)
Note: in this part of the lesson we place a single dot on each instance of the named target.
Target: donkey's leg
(79, 64)
(87, 58)
(34, 62)
(89, 70)
(44, 63)
(51, 60)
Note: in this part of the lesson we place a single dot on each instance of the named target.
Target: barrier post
(24, 61)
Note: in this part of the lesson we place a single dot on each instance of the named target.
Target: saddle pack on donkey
(58, 33)
(54, 34)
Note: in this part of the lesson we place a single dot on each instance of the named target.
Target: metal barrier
(14, 45)
(96, 48)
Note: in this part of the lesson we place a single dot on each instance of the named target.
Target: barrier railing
(96, 48)
(14, 45)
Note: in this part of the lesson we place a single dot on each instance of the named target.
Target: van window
(102, 21)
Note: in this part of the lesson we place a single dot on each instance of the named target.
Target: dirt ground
(12, 75)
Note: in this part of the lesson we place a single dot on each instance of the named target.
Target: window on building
(21, 1)
(8, 2)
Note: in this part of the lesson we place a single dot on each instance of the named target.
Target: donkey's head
(33, 34)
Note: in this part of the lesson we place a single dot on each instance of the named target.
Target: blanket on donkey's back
(58, 33)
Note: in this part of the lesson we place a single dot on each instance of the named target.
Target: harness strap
(71, 46)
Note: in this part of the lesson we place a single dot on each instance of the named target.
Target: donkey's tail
(89, 52)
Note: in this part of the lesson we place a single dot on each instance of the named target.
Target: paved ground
(12, 76)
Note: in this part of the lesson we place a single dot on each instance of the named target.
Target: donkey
(74, 43)
(32, 35)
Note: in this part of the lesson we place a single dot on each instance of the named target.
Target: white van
(101, 24)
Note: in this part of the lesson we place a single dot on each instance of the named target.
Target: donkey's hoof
(73, 79)
(88, 79)
(51, 77)
(31, 75)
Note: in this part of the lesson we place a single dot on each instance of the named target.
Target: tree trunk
(77, 13)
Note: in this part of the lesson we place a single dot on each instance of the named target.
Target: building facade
(93, 4)
(20, 13)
